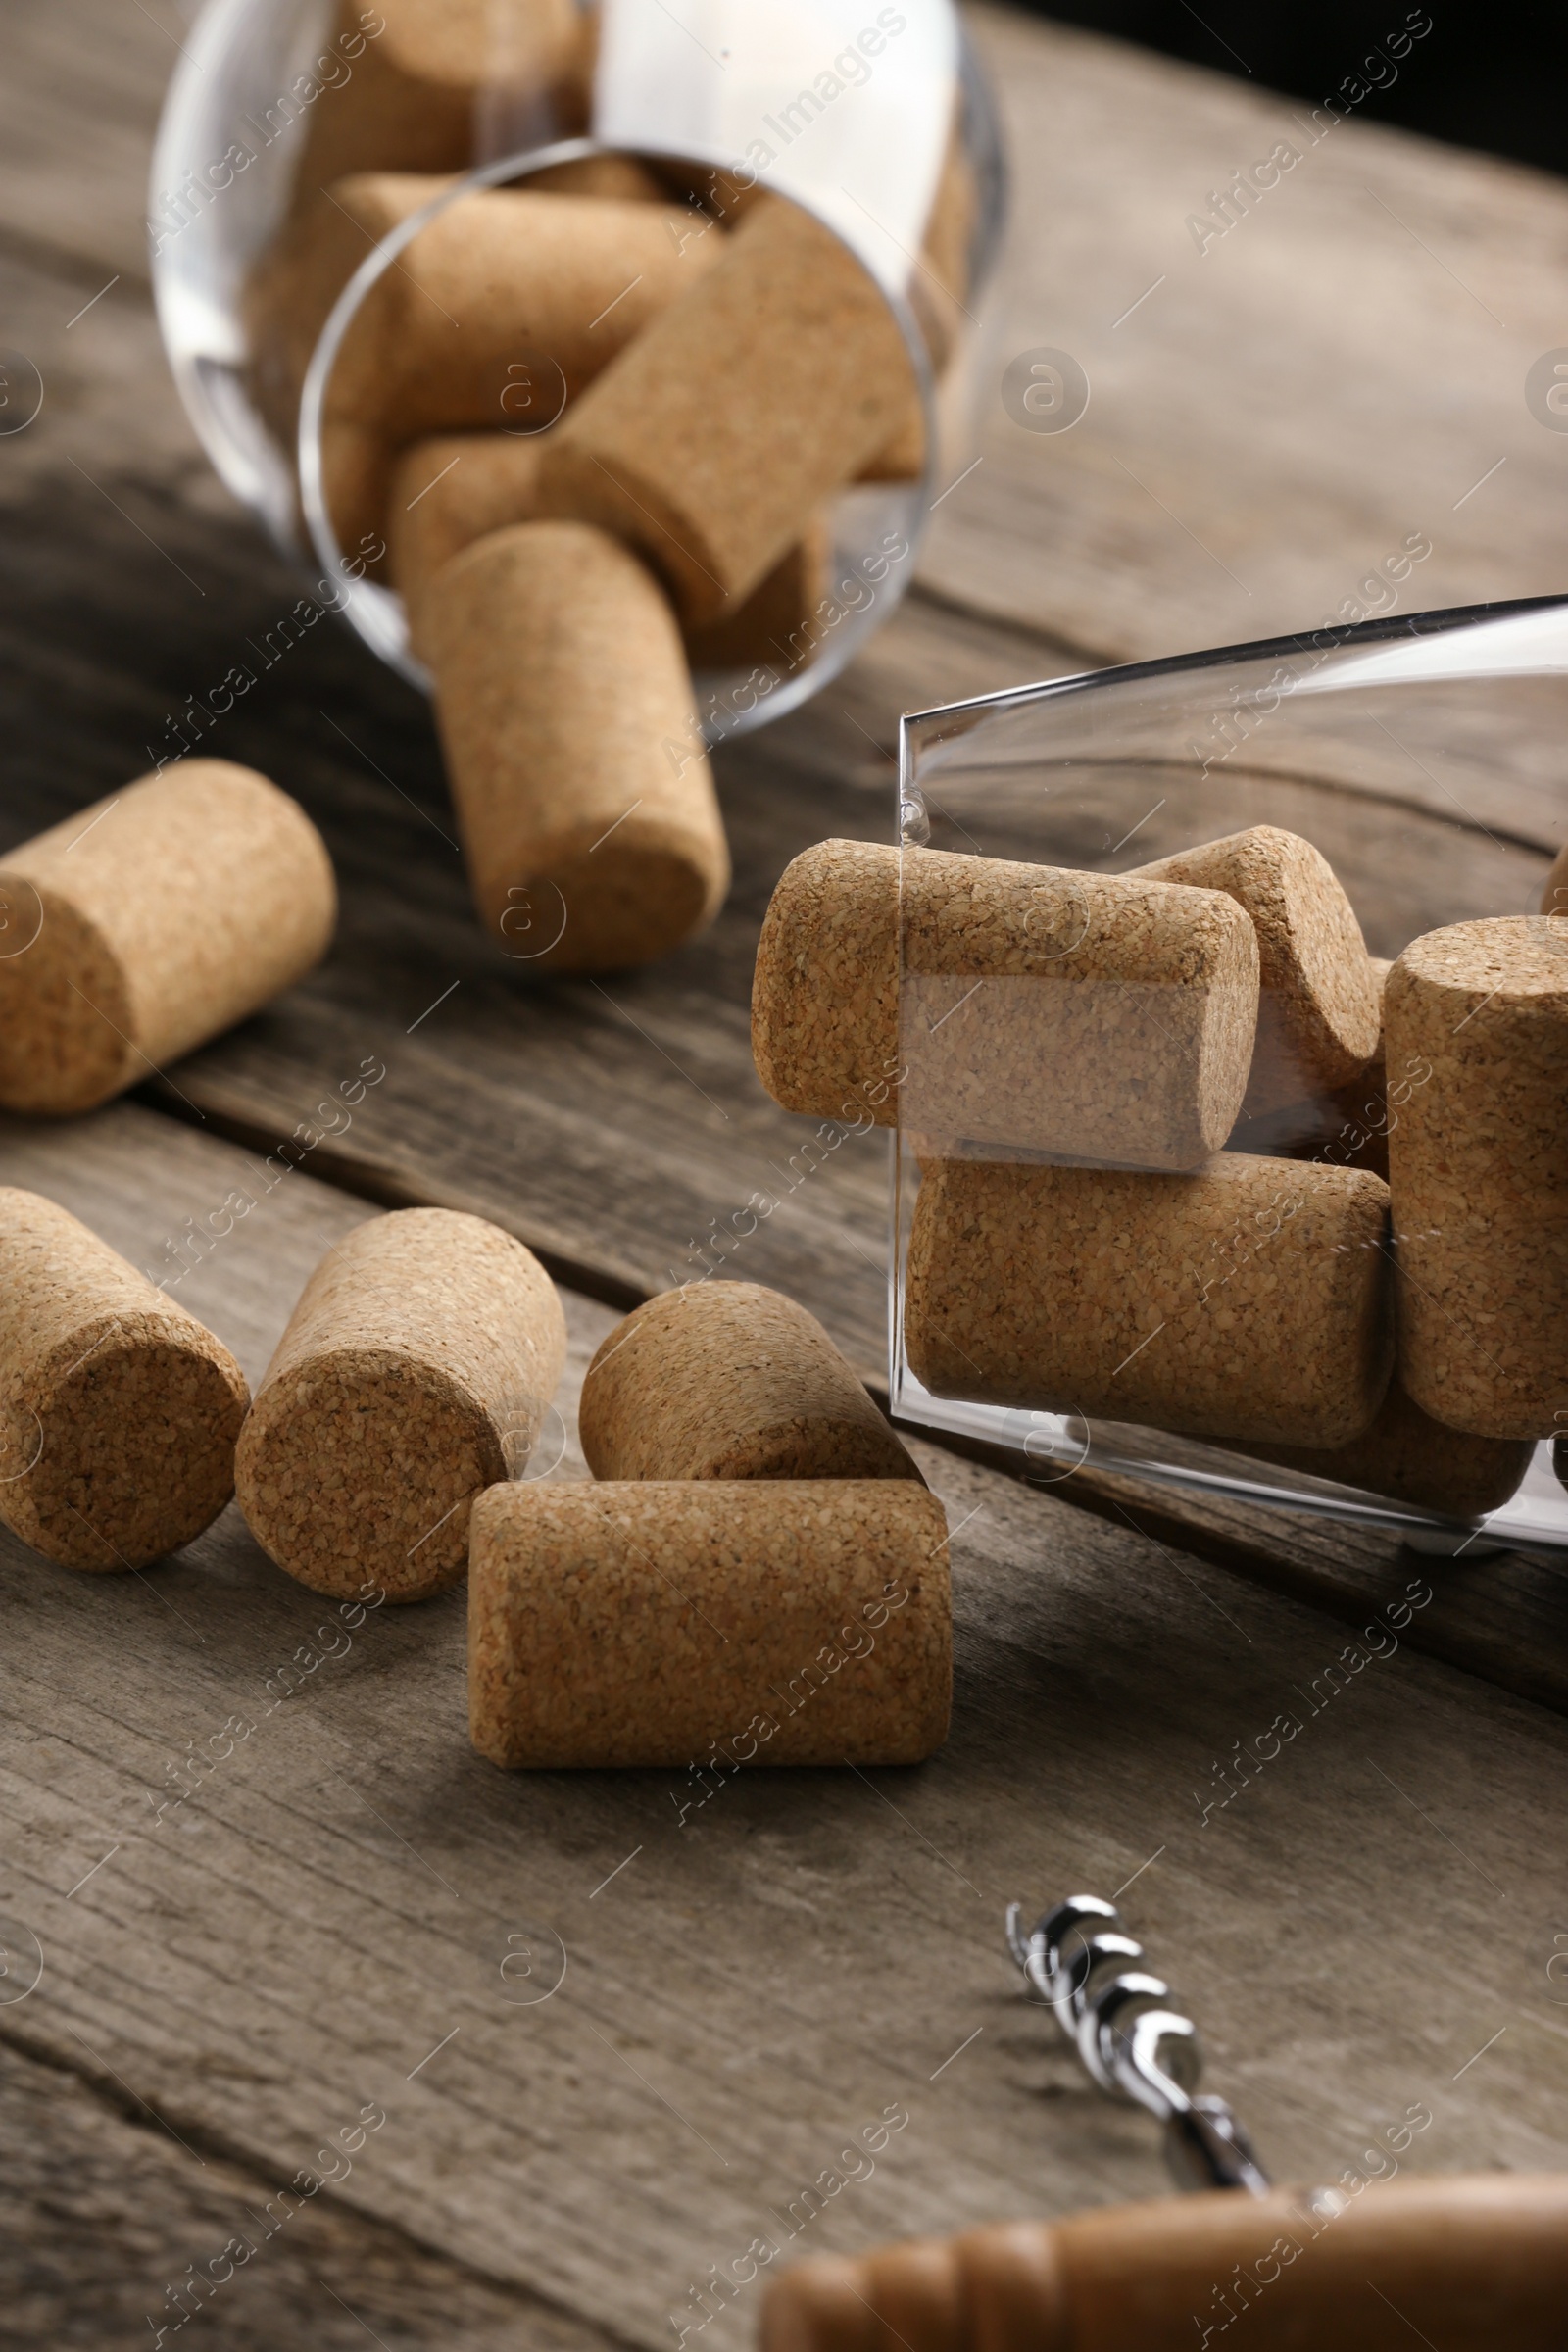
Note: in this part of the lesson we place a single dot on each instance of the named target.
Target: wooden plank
(78, 105)
(610, 1126)
(104, 2215)
(1270, 417)
(750, 1983)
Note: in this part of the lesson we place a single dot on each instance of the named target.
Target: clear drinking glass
(1422, 756)
(877, 120)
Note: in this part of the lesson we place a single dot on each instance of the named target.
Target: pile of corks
(756, 1571)
(756, 1565)
(1086, 1067)
(590, 428)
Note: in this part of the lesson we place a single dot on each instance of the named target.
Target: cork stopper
(119, 1412)
(1042, 1009)
(451, 489)
(1409, 1457)
(411, 95)
(1478, 1171)
(148, 923)
(717, 1623)
(414, 1373)
(730, 1380)
(506, 287)
(446, 491)
(582, 788)
(1319, 1015)
(743, 406)
(825, 990)
(1250, 1301)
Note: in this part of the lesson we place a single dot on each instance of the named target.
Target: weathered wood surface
(319, 1923)
(1365, 1917)
(1343, 367)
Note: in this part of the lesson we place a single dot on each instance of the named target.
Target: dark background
(1493, 78)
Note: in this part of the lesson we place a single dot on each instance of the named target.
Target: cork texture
(1041, 1010)
(290, 294)
(118, 1411)
(825, 990)
(1318, 1015)
(1478, 1171)
(1250, 1301)
(730, 1380)
(1409, 1457)
(583, 792)
(415, 87)
(744, 406)
(505, 287)
(452, 489)
(718, 1622)
(414, 1373)
(446, 491)
(148, 923)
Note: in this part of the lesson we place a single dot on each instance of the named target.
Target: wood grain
(1268, 418)
(1364, 1923)
(750, 1982)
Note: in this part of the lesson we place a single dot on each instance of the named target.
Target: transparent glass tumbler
(877, 120)
(1422, 756)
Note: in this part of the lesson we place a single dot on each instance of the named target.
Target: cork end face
(1518, 957)
(360, 1467)
(66, 1020)
(125, 1449)
(825, 990)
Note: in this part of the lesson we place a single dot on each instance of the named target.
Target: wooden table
(313, 1935)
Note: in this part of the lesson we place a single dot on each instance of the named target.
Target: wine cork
(730, 1380)
(1554, 896)
(148, 922)
(422, 70)
(509, 297)
(1360, 1113)
(1250, 1301)
(452, 489)
(414, 1373)
(778, 626)
(119, 1412)
(1318, 1016)
(742, 407)
(1409, 1457)
(1478, 1171)
(357, 472)
(446, 491)
(503, 285)
(290, 292)
(1090, 1014)
(624, 176)
(1460, 2260)
(582, 788)
(789, 1622)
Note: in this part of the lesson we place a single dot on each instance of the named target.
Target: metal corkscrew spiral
(1135, 2043)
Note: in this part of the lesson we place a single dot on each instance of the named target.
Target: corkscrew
(1133, 2041)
